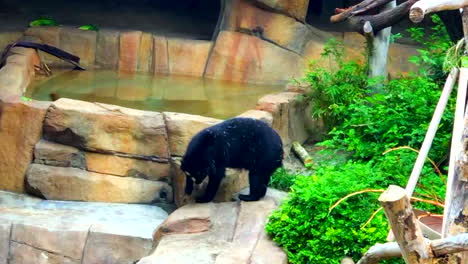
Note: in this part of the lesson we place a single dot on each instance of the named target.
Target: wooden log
(379, 252)
(405, 226)
(439, 247)
(302, 154)
(424, 7)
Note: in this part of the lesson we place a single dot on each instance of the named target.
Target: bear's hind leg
(257, 187)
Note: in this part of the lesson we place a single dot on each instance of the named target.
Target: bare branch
(423, 7)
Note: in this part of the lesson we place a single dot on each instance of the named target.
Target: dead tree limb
(360, 8)
(423, 7)
(379, 252)
(379, 21)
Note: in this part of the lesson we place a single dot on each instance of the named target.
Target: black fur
(242, 143)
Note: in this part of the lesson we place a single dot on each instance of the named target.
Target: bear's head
(199, 160)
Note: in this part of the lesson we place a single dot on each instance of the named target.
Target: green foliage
(43, 21)
(399, 117)
(282, 180)
(329, 84)
(435, 42)
(365, 126)
(310, 234)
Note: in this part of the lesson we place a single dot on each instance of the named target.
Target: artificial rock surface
(107, 128)
(73, 184)
(36, 231)
(221, 233)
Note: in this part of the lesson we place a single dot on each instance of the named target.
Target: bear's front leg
(213, 185)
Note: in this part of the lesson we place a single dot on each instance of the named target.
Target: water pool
(213, 98)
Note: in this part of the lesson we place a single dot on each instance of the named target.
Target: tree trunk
(379, 50)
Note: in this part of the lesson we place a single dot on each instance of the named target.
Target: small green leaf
(26, 99)
(89, 27)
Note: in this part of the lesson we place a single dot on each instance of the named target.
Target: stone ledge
(113, 233)
(71, 184)
(217, 233)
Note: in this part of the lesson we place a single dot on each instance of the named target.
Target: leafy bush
(282, 180)
(329, 84)
(365, 126)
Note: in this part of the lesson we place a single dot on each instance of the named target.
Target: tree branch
(360, 8)
(379, 21)
(423, 7)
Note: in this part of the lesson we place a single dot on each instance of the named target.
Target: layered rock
(107, 128)
(71, 184)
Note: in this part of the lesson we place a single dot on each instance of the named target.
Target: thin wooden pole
(431, 131)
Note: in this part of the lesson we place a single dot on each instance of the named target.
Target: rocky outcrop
(81, 43)
(71, 184)
(107, 128)
(217, 233)
(75, 232)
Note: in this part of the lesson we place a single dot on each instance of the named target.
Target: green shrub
(282, 180)
(365, 126)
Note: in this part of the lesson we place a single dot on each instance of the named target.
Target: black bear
(242, 143)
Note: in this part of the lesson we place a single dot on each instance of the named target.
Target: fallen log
(302, 154)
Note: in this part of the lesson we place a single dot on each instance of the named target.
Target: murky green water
(212, 98)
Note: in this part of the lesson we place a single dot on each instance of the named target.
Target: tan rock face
(128, 167)
(160, 56)
(218, 233)
(81, 43)
(260, 115)
(245, 58)
(182, 127)
(50, 153)
(107, 128)
(20, 130)
(294, 8)
(188, 57)
(107, 49)
(283, 30)
(24, 254)
(145, 54)
(13, 79)
(112, 248)
(71, 184)
(69, 242)
(129, 49)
